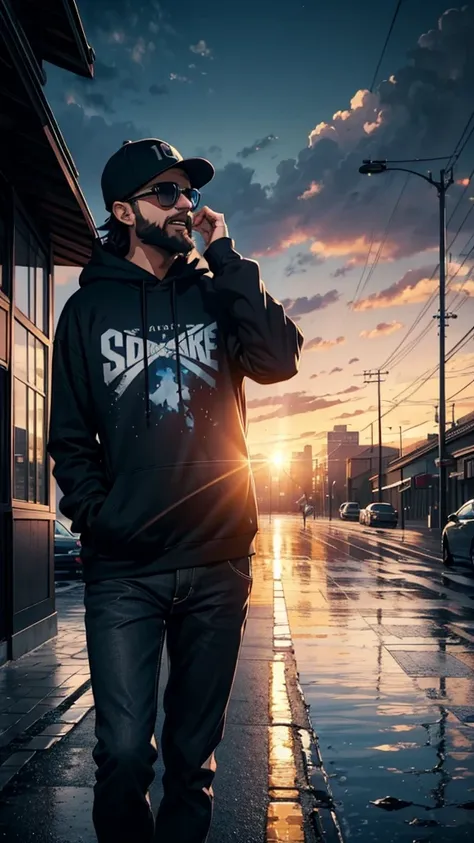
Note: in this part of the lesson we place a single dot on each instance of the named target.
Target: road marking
(285, 821)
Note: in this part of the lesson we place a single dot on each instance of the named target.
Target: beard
(156, 235)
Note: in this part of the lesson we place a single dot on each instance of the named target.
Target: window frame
(32, 388)
(21, 220)
(23, 226)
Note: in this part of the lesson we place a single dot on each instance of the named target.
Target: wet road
(384, 644)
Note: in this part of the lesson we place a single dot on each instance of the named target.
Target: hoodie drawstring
(145, 350)
(174, 313)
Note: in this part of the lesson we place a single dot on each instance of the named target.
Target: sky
(277, 96)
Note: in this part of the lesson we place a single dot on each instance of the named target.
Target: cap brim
(198, 170)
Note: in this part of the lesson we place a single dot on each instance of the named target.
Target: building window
(31, 277)
(30, 462)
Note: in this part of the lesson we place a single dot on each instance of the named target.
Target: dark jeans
(203, 612)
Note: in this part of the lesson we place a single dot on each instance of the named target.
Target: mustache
(185, 217)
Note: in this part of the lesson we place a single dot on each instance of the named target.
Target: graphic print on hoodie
(148, 419)
(124, 352)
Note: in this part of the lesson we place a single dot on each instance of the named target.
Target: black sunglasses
(168, 193)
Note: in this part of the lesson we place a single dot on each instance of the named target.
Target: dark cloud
(234, 193)
(420, 112)
(299, 403)
(95, 99)
(293, 403)
(212, 153)
(270, 400)
(92, 140)
(353, 360)
(353, 414)
(343, 270)
(300, 263)
(335, 370)
(319, 344)
(383, 329)
(416, 286)
(300, 306)
(257, 146)
(158, 90)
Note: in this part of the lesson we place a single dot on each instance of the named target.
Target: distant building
(414, 477)
(301, 471)
(342, 444)
(44, 222)
(360, 470)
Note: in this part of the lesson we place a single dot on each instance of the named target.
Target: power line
(360, 288)
(466, 188)
(395, 359)
(384, 48)
(454, 158)
(460, 390)
(462, 143)
(424, 377)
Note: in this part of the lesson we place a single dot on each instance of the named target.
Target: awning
(55, 32)
(33, 154)
(401, 485)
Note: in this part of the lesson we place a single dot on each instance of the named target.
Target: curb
(300, 794)
(318, 802)
(45, 732)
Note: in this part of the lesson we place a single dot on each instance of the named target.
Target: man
(148, 440)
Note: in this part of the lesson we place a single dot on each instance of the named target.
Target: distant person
(306, 507)
(148, 439)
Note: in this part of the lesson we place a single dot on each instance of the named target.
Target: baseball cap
(137, 162)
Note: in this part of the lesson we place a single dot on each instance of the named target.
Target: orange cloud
(416, 286)
(312, 190)
(318, 344)
(462, 182)
(467, 288)
(383, 329)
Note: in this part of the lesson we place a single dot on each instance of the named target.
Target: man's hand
(210, 225)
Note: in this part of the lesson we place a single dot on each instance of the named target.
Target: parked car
(67, 547)
(377, 514)
(349, 511)
(458, 536)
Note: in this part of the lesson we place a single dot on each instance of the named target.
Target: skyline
(353, 259)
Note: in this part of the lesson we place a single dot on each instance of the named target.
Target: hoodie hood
(105, 266)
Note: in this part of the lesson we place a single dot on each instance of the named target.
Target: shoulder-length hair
(116, 239)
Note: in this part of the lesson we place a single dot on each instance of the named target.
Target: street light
(446, 179)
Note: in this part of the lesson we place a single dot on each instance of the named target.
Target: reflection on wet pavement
(284, 815)
(385, 650)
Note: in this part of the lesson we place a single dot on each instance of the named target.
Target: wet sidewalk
(384, 644)
(261, 786)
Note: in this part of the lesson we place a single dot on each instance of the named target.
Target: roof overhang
(56, 34)
(33, 153)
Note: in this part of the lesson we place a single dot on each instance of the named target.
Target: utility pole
(446, 179)
(375, 376)
(442, 352)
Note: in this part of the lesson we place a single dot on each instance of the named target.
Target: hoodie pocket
(153, 509)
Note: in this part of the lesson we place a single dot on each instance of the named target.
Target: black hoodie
(148, 415)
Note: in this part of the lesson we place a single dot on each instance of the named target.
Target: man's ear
(124, 212)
